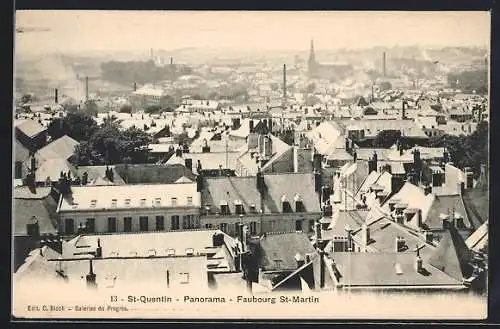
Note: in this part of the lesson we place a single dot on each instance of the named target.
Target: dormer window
(127, 202)
(286, 208)
(189, 200)
(238, 207)
(113, 203)
(174, 202)
(157, 202)
(170, 252)
(189, 251)
(253, 209)
(224, 207)
(93, 203)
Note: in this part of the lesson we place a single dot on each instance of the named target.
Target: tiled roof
(61, 148)
(138, 196)
(97, 174)
(31, 128)
(229, 189)
(279, 148)
(52, 167)
(210, 160)
(278, 251)
(387, 269)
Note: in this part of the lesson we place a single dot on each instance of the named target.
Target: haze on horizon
(115, 31)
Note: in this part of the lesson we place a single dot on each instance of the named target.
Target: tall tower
(383, 64)
(284, 86)
(312, 59)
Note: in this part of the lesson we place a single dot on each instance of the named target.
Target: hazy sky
(141, 30)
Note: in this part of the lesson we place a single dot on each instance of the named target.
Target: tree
(90, 107)
(311, 88)
(385, 85)
(86, 155)
(77, 125)
(26, 98)
(152, 109)
(126, 108)
(386, 138)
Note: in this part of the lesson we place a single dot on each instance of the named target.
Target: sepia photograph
(245, 165)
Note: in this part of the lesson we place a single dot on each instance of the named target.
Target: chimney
(383, 64)
(484, 173)
(251, 126)
(365, 235)
(399, 244)
(178, 152)
(98, 250)
(189, 164)
(199, 183)
(469, 178)
(90, 278)
(135, 86)
(171, 61)
(56, 98)
(317, 181)
(317, 162)
(299, 259)
(417, 163)
(372, 163)
(33, 228)
(418, 264)
(460, 188)
(86, 88)
(318, 232)
(284, 86)
(418, 219)
(354, 156)
(403, 110)
(205, 148)
(295, 159)
(427, 190)
(218, 239)
(260, 181)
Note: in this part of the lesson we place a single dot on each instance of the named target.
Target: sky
(78, 31)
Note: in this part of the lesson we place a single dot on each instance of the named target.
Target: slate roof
(21, 153)
(452, 256)
(230, 189)
(151, 173)
(41, 205)
(478, 239)
(279, 148)
(52, 167)
(277, 251)
(96, 175)
(31, 128)
(210, 160)
(381, 269)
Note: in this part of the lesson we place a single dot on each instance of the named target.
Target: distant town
(360, 170)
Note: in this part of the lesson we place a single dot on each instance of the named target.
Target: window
(93, 203)
(174, 202)
(143, 202)
(157, 202)
(111, 224)
(170, 252)
(160, 223)
(143, 223)
(223, 227)
(69, 226)
(90, 225)
(113, 203)
(299, 206)
(175, 222)
(253, 228)
(208, 226)
(18, 170)
(184, 278)
(189, 251)
(253, 209)
(127, 224)
(239, 209)
(127, 202)
(189, 200)
(298, 225)
(188, 222)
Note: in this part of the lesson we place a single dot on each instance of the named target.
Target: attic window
(224, 208)
(170, 252)
(143, 202)
(189, 200)
(157, 202)
(184, 278)
(253, 208)
(174, 202)
(398, 269)
(93, 203)
(189, 251)
(113, 203)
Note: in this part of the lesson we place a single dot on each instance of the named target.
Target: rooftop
(30, 128)
(278, 251)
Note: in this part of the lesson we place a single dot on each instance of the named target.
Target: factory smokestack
(383, 64)
(56, 98)
(135, 86)
(86, 88)
(171, 61)
(284, 85)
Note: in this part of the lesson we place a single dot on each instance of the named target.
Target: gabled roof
(244, 189)
(31, 128)
(61, 148)
(21, 153)
(452, 255)
(278, 250)
(52, 167)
